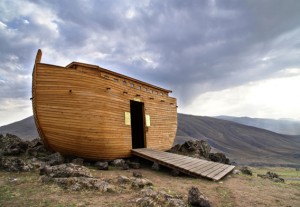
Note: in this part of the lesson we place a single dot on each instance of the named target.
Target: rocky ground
(32, 176)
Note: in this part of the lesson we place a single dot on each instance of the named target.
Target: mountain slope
(282, 126)
(243, 144)
(24, 129)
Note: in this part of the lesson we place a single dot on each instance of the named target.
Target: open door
(137, 124)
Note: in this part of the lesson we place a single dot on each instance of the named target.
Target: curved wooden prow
(36, 120)
(38, 57)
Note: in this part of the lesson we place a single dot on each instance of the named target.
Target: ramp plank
(188, 165)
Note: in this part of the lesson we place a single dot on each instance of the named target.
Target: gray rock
(125, 167)
(78, 161)
(37, 149)
(140, 182)
(160, 198)
(133, 165)
(149, 192)
(175, 202)
(118, 163)
(55, 159)
(219, 157)
(123, 179)
(80, 183)
(155, 166)
(146, 202)
(236, 172)
(196, 198)
(101, 165)
(137, 174)
(65, 170)
(272, 176)
(246, 170)
(278, 180)
(15, 164)
(12, 145)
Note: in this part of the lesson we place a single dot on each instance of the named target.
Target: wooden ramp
(188, 165)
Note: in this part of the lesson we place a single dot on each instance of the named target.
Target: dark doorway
(137, 124)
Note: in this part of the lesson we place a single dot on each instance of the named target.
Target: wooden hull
(80, 110)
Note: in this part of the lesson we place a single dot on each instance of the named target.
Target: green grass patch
(225, 197)
(5, 194)
(291, 175)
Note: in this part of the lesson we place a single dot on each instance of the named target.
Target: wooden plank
(216, 172)
(223, 173)
(207, 167)
(205, 173)
(188, 165)
(199, 163)
(200, 166)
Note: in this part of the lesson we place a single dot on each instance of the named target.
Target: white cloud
(271, 98)
(2, 25)
(38, 14)
(25, 21)
(130, 13)
(13, 110)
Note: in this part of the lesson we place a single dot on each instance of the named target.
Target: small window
(145, 89)
(131, 85)
(160, 93)
(155, 92)
(116, 80)
(139, 87)
(124, 83)
(150, 91)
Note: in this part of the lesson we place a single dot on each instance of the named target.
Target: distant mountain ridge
(281, 126)
(242, 144)
(24, 129)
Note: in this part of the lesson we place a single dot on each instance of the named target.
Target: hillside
(25, 129)
(281, 126)
(243, 144)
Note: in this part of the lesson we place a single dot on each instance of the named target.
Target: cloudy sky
(238, 58)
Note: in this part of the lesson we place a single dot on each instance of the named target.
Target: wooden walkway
(188, 165)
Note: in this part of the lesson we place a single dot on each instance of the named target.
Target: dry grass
(25, 189)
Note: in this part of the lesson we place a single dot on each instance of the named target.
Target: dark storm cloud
(190, 47)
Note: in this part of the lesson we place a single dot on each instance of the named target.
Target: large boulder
(197, 198)
(37, 149)
(219, 157)
(12, 145)
(195, 148)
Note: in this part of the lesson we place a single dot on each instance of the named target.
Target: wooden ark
(91, 112)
